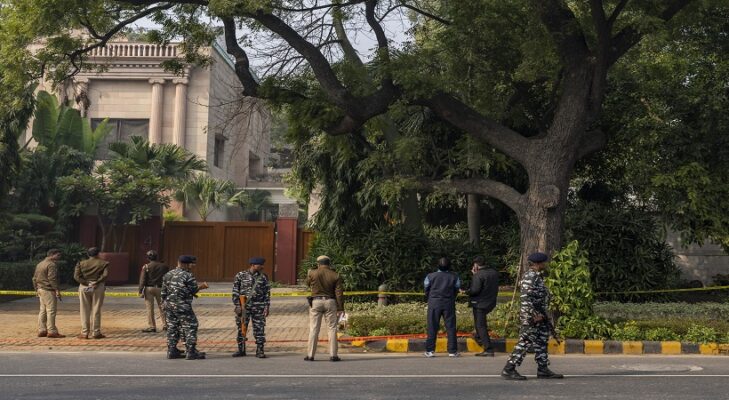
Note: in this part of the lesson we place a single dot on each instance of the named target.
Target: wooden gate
(222, 248)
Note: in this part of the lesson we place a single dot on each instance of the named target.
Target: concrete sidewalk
(123, 318)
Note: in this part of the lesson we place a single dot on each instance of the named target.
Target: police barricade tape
(703, 289)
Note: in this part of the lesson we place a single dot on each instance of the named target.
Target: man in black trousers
(482, 298)
(441, 288)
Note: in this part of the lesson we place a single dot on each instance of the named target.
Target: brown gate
(222, 248)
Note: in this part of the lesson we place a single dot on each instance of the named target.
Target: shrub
(660, 334)
(626, 247)
(616, 311)
(628, 331)
(700, 334)
(17, 275)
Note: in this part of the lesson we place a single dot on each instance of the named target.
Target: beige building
(202, 110)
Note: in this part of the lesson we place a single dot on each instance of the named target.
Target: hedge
(17, 275)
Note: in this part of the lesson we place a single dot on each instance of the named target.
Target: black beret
(538, 257)
(187, 259)
(256, 261)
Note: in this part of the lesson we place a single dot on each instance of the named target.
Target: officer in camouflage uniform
(178, 289)
(534, 322)
(253, 284)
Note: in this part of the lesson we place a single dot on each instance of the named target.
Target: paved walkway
(123, 318)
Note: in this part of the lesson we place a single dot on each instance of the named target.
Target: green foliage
(627, 249)
(13, 121)
(166, 160)
(205, 194)
(628, 331)
(660, 334)
(619, 311)
(394, 254)
(572, 296)
(368, 319)
(17, 275)
(171, 216)
(254, 204)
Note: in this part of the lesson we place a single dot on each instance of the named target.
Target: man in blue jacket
(441, 289)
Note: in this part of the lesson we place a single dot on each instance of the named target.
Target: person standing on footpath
(179, 287)
(45, 283)
(534, 320)
(150, 289)
(91, 276)
(482, 299)
(441, 289)
(326, 300)
(254, 286)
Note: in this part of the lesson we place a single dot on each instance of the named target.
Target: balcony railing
(117, 50)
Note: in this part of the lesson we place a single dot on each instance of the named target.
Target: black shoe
(510, 374)
(259, 352)
(241, 351)
(485, 353)
(149, 330)
(307, 358)
(335, 358)
(546, 373)
(193, 354)
(173, 353)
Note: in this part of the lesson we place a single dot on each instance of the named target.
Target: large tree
(555, 57)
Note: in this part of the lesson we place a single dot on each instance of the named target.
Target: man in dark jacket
(150, 289)
(441, 288)
(482, 298)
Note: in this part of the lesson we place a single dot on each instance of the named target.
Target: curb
(569, 346)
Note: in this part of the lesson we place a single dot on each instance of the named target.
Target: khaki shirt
(325, 282)
(152, 274)
(46, 275)
(93, 269)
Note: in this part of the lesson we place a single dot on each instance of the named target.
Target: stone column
(155, 117)
(82, 95)
(180, 111)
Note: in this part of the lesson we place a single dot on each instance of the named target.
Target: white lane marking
(348, 376)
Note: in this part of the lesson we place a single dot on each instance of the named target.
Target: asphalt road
(98, 375)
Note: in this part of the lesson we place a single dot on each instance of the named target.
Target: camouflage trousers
(253, 312)
(181, 323)
(531, 336)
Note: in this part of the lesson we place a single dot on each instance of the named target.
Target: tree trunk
(473, 215)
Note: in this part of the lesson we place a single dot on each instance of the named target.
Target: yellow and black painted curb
(568, 346)
(225, 294)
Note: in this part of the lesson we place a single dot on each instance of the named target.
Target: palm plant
(57, 124)
(253, 203)
(205, 194)
(167, 160)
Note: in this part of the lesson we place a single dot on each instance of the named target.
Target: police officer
(482, 298)
(91, 275)
(534, 322)
(178, 288)
(254, 285)
(150, 287)
(441, 289)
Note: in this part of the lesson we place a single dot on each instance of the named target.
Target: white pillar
(155, 118)
(180, 111)
(82, 95)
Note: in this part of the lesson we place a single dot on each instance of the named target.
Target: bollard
(382, 297)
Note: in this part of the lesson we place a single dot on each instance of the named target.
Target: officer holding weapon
(252, 299)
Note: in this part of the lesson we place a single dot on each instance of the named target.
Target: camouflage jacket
(254, 285)
(534, 297)
(178, 287)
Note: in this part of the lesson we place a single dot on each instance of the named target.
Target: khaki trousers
(152, 293)
(48, 307)
(91, 302)
(327, 309)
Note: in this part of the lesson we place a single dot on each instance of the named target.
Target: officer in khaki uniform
(45, 283)
(327, 300)
(91, 276)
(150, 287)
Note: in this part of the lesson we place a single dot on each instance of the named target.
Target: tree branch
(591, 142)
(564, 29)
(424, 13)
(242, 64)
(485, 187)
(467, 119)
(630, 35)
(616, 13)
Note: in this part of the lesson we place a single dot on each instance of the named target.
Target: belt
(157, 286)
(321, 297)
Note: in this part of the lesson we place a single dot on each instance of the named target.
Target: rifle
(243, 326)
(552, 329)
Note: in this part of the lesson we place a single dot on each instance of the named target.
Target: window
(121, 131)
(219, 151)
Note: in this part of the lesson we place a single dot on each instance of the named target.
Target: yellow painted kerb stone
(711, 349)
(473, 346)
(555, 348)
(632, 347)
(510, 343)
(441, 345)
(670, 347)
(397, 345)
(594, 346)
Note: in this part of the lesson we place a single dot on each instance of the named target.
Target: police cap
(256, 261)
(187, 259)
(537, 257)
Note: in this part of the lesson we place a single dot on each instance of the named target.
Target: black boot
(193, 354)
(173, 353)
(510, 374)
(546, 373)
(259, 351)
(241, 350)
